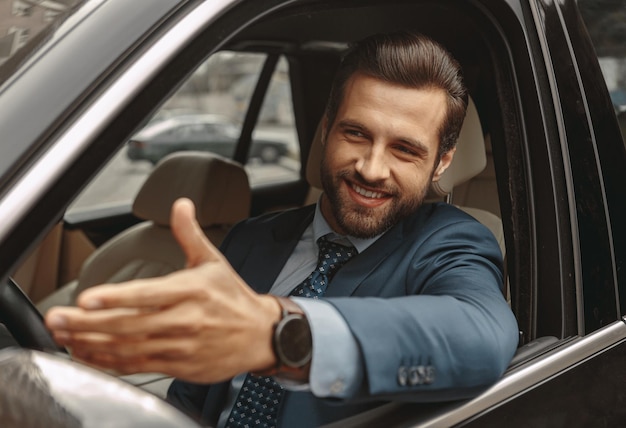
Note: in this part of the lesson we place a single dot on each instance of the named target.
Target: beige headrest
(217, 186)
(469, 160)
(314, 161)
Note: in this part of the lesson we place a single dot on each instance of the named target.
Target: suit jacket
(424, 303)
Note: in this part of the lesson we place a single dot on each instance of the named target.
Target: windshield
(25, 24)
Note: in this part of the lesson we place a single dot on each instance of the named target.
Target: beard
(363, 222)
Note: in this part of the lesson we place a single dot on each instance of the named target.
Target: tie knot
(332, 256)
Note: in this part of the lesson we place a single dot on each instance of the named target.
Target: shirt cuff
(336, 364)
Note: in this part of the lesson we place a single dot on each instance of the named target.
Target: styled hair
(411, 60)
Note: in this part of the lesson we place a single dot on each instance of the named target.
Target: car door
(210, 137)
(558, 161)
(558, 183)
(104, 208)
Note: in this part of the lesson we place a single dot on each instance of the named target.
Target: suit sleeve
(451, 335)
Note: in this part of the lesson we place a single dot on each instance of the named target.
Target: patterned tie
(259, 400)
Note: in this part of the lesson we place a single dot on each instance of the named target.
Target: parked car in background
(94, 72)
(210, 133)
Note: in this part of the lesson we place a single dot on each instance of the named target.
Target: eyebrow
(416, 144)
(345, 123)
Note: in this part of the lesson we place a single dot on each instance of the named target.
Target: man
(415, 314)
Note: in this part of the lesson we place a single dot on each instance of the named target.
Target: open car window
(207, 113)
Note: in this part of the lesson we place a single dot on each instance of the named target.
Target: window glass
(275, 153)
(206, 114)
(22, 20)
(606, 22)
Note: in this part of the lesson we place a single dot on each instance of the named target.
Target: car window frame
(118, 113)
(173, 69)
(122, 102)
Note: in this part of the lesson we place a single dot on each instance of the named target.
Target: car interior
(488, 178)
(220, 191)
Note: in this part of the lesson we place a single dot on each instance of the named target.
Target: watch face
(294, 343)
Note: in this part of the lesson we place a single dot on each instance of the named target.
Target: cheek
(412, 178)
(338, 154)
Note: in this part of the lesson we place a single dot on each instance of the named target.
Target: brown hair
(411, 60)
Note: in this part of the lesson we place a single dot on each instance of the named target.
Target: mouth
(367, 197)
(367, 193)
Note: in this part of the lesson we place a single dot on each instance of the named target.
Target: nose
(372, 165)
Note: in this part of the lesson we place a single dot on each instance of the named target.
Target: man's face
(380, 155)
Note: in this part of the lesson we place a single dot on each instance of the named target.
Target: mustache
(356, 178)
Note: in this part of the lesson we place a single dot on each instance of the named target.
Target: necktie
(259, 399)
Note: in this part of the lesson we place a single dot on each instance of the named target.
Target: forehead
(393, 108)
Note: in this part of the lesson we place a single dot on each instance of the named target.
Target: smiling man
(404, 300)
(381, 153)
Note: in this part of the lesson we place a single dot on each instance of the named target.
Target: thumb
(194, 243)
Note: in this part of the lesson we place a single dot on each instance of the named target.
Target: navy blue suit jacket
(424, 303)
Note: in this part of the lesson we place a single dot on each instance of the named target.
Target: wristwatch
(292, 343)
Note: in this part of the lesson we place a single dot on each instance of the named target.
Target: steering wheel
(23, 319)
(51, 388)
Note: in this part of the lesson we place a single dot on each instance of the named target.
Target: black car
(87, 75)
(200, 133)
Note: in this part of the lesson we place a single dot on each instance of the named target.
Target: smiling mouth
(368, 193)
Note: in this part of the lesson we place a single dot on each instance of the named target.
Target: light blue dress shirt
(336, 364)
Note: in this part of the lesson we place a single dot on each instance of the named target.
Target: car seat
(218, 187)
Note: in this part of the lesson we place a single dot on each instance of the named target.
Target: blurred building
(21, 20)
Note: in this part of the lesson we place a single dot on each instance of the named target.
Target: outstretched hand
(197, 324)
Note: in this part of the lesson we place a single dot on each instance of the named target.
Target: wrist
(291, 344)
(265, 355)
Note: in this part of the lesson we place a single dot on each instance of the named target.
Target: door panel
(590, 394)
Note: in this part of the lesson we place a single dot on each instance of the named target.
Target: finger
(148, 293)
(194, 369)
(70, 319)
(181, 319)
(114, 352)
(133, 348)
(197, 248)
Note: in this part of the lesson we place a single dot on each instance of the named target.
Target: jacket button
(429, 376)
(403, 375)
(416, 376)
(336, 387)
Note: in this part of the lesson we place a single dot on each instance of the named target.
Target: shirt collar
(321, 228)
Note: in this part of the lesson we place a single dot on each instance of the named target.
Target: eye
(406, 150)
(410, 152)
(355, 133)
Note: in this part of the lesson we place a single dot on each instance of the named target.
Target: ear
(444, 163)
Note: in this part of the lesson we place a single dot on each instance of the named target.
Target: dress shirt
(336, 364)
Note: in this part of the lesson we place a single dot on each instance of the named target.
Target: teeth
(367, 193)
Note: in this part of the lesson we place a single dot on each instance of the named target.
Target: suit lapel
(268, 256)
(350, 277)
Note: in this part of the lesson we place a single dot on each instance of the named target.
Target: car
(197, 132)
(79, 78)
